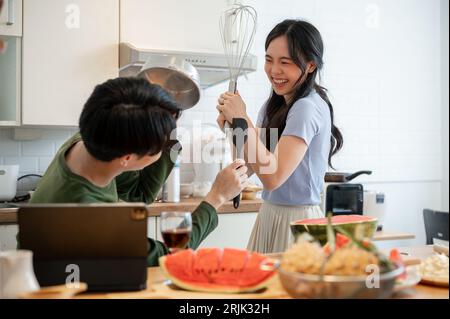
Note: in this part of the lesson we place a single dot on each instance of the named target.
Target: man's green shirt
(61, 185)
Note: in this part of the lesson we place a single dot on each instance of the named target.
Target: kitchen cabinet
(11, 18)
(8, 240)
(10, 84)
(172, 24)
(233, 231)
(68, 48)
(151, 227)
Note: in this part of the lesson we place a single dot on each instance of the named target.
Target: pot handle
(270, 264)
(354, 175)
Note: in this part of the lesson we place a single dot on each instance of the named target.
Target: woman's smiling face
(281, 70)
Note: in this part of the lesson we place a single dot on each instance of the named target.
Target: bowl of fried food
(344, 268)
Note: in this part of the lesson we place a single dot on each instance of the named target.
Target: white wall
(383, 70)
(445, 104)
(382, 67)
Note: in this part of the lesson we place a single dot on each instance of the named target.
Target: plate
(433, 270)
(412, 278)
(435, 281)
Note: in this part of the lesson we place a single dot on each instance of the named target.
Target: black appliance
(436, 225)
(344, 199)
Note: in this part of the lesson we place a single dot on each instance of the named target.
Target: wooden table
(156, 289)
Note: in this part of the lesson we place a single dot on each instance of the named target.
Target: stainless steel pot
(175, 75)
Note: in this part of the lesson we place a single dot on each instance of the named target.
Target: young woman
(294, 138)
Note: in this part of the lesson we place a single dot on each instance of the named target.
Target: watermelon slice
(341, 241)
(396, 258)
(357, 225)
(216, 270)
(184, 271)
(232, 265)
(206, 262)
(249, 276)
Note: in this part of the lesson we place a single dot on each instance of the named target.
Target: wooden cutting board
(158, 288)
(274, 290)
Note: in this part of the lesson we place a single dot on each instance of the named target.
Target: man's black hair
(127, 116)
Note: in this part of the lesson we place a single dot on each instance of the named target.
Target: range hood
(212, 67)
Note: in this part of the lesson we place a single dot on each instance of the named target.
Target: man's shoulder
(69, 143)
(72, 190)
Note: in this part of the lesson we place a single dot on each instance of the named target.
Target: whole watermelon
(357, 225)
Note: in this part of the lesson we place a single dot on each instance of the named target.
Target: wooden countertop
(9, 215)
(189, 204)
(157, 289)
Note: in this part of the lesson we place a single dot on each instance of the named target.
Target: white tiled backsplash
(32, 156)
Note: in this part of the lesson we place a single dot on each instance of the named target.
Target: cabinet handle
(10, 20)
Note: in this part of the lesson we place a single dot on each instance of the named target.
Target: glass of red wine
(176, 229)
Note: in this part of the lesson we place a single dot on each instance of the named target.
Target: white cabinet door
(8, 240)
(151, 227)
(233, 231)
(172, 24)
(11, 18)
(68, 48)
(10, 82)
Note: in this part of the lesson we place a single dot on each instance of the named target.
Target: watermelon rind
(365, 227)
(211, 287)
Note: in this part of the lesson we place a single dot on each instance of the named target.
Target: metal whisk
(237, 29)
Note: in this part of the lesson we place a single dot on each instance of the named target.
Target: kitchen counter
(156, 288)
(9, 215)
(189, 204)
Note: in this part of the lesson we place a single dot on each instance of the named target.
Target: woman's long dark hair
(305, 45)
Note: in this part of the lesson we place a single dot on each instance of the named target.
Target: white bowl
(186, 190)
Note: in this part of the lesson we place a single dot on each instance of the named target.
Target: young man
(124, 152)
